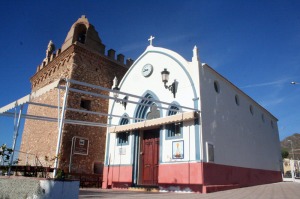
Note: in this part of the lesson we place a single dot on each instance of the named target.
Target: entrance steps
(201, 189)
(144, 188)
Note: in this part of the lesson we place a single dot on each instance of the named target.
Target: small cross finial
(151, 39)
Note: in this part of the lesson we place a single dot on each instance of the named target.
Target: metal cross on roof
(150, 39)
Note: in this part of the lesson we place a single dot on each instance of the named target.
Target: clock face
(147, 70)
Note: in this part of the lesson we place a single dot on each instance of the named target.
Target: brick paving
(282, 190)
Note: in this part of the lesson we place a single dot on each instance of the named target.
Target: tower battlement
(110, 55)
(82, 57)
(81, 35)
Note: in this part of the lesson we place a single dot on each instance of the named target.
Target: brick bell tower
(82, 57)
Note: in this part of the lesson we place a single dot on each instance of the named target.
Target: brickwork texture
(85, 62)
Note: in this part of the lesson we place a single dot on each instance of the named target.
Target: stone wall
(97, 70)
(59, 67)
(20, 187)
(40, 137)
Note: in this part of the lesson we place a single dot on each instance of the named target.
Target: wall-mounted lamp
(116, 90)
(165, 78)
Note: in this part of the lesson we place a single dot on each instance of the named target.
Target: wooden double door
(150, 157)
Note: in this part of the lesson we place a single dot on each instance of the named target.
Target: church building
(161, 121)
(179, 125)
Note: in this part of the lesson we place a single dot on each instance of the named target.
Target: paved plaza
(282, 190)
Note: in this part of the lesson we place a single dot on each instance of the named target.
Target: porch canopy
(155, 122)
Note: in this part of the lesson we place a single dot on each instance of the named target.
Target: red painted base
(215, 174)
(117, 176)
(194, 177)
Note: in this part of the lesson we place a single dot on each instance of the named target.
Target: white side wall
(239, 138)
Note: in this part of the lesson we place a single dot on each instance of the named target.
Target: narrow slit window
(217, 86)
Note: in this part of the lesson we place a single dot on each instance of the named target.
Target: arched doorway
(147, 145)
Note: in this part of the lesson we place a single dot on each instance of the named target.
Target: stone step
(144, 188)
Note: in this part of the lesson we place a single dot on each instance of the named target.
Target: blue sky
(255, 44)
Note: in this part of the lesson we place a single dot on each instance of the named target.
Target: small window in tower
(85, 104)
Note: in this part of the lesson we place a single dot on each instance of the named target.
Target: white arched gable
(160, 58)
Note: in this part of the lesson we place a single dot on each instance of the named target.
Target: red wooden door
(150, 157)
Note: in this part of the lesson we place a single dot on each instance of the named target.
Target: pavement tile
(281, 190)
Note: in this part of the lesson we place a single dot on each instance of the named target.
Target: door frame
(140, 168)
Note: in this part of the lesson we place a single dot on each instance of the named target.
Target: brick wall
(40, 137)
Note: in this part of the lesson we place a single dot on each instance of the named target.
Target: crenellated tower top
(81, 38)
(84, 32)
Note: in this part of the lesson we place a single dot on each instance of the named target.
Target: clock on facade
(147, 70)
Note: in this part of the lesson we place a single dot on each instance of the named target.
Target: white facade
(237, 137)
(184, 72)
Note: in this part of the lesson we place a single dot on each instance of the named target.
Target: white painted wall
(240, 138)
(189, 145)
(134, 83)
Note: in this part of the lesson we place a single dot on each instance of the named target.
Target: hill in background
(295, 141)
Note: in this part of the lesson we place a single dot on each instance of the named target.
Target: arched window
(80, 33)
(143, 108)
(174, 130)
(122, 138)
(81, 37)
